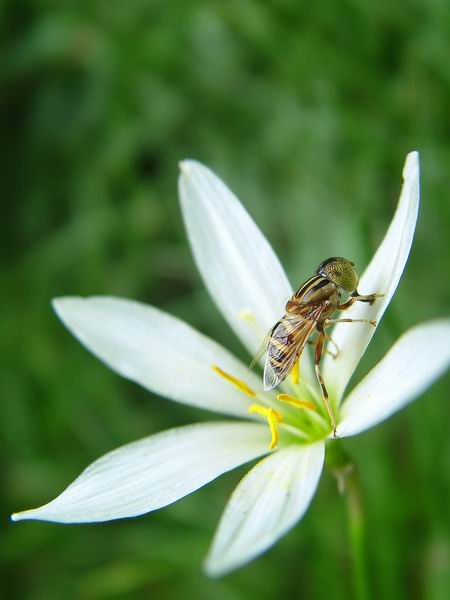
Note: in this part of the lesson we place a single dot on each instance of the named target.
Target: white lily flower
(168, 357)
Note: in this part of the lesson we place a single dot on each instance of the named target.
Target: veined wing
(263, 348)
(287, 341)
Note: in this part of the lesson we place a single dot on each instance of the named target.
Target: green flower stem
(349, 484)
(356, 526)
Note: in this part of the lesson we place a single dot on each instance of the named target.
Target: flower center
(301, 420)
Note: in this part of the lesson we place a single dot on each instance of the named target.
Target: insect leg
(336, 347)
(370, 322)
(317, 356)
(327, 337)
(292, 305)
(370, 298)
(347, 304)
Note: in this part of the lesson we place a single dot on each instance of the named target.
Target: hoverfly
(310, 309)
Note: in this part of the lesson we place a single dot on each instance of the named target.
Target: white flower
(168, 357)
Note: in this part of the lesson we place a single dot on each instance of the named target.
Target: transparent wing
(263, 348)
(286, 343)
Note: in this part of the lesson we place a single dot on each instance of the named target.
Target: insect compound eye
(341, 272)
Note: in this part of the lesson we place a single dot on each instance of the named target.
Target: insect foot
(373, 297)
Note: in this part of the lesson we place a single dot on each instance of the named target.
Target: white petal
(268, 502)
(240, 269)
(157, 351)
(382, 276)
(153, 472)
(418, 358)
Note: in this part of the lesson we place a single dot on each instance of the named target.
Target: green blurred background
(307, 110)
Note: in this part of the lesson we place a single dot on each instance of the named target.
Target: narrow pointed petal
(415, 361)
(153, 472)
(268, 502)
(381, 276)
(158, 351)
(239, 267)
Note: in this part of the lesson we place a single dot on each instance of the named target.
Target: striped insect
(310, 309)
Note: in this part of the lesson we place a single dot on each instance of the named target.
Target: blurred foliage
(307, 110)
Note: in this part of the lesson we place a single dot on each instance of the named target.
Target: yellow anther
(295, 376)
(241, 385)
(296, 402)
(273, 418)
(247, 315)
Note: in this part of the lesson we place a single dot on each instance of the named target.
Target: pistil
(273, 418)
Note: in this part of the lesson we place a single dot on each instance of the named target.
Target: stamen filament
(296, 402)
(273, 418)
(241, 385)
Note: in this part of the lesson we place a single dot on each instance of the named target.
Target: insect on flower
(171, 359)
(309, 309)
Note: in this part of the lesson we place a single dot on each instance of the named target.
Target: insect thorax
(317, 289)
